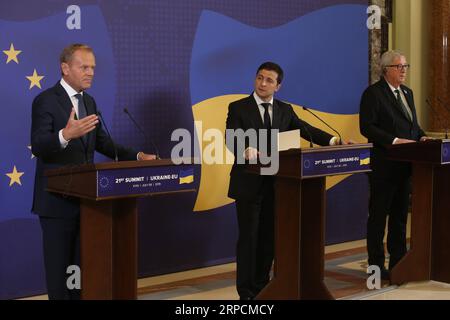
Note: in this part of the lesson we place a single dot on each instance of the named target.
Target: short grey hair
(388, 58)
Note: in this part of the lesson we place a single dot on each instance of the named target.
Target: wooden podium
(429, 256)
(108, 229)
(300, 217)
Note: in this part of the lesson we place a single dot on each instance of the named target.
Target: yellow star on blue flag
(35, 80)
(12, 54)
(14, 177)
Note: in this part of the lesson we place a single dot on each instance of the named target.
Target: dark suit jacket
(381, 120)
(244, 114)
(50, 113)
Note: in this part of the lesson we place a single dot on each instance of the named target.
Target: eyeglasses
(400, 66)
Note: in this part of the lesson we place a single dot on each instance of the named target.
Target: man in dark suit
(388, 116)
(66, 131)
(254, 194)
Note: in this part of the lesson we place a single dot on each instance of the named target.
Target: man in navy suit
(388, 116)
(66, 131)
(254, 194)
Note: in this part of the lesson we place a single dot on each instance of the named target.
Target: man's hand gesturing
(78, 128)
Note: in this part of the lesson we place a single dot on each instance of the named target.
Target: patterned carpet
(345, 273)
(345, 277)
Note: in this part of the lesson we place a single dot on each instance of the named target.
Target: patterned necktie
(81, 112)
(406, 111)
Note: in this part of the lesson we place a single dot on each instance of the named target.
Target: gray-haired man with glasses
(388, 116)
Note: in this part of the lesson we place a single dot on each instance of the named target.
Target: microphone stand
(116, 158)
(143, 132)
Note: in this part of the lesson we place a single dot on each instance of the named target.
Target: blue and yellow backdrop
(172, 63)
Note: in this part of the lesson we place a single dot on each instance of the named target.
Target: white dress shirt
(259, 102)
(71, 92)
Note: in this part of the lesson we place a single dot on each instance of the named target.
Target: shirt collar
(392, 87)
(70, 91)
(259, 100)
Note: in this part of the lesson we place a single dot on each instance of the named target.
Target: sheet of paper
(289, 140)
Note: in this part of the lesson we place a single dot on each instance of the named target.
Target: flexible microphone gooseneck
(143, 132)
(340, 138)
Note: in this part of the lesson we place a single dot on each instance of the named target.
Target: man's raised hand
(78, 128)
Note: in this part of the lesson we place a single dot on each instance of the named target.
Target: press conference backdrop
(172, 63)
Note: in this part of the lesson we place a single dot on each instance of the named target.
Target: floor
(345, 277)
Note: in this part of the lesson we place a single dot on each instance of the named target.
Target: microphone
(339, 135)
(116, 158)
(143, 132)
(437, 116)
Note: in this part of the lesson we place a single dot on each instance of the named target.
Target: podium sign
(141, 181)
(335, 160)
(445, 152)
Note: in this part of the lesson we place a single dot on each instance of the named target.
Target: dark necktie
(402, 105)
(81, 112)
(267, 124)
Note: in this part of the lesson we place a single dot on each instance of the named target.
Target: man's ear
(278, 87)
(64, 68)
